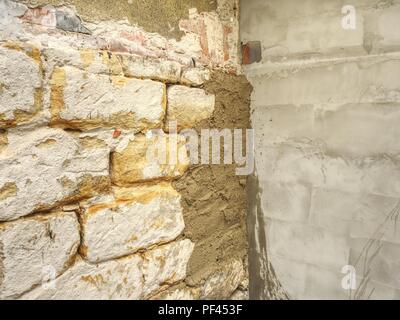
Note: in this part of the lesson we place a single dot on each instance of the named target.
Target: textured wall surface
(84, 213)
(325, 109)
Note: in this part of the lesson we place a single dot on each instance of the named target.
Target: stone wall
(325, 107)
(84, 214)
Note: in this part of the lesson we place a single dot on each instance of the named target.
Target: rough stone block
(21, 92)
(149, 158)
(165, 265)
(223, 282)
(142, 67)
(135, 218)
(85, 101)
(88, 60)
(179, 292)
(131, 277)
(112, 280)
(195, 76)
(46, 167)
(34, 248)
(188, 106)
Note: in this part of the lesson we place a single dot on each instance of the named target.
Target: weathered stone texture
(150, 157)
(135, 218)
(140, 67)
(32, 247)
(86, 101)
(131, 277)
(195, 76)
(116, 279)
(179, 292)
(21, 91)
(223, 282)
(188, 106)
(45, 167)
(87, 207)
(166, 265)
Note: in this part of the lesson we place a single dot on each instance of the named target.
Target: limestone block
(150, 157)
(85, 101)
(134, 219)
(116, 279)
(45, 167)
(188, 106)
(223, 282)
(178, 293)
(157, 69)
(88, 60)
(33, 248)
(21, 92)
(165, 265)
(195, 76)
(240, 295)
(130, 277)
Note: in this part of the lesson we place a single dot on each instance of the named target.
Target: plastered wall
(325, 111)
(84, 213)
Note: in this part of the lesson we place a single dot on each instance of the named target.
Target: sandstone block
(131, 277)
(34, 248)
(116, 279)
(166, 265)
(135, 218)
(149, 158)
(188, 106)
(178, 293)
(85, 101)
(88, 60)
(157, 69)
(224, 282)
(195, 76)
(46, 167)
(21, 92)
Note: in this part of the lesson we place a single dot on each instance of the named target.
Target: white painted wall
(325, 109)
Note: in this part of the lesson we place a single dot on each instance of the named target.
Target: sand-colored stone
(127, 278)
(21, 92)
(188, 106)
(165, 265)
(148, 158)
(135, 218)
(34, 249)
(223, 282)
(45, 167)
(86, 101)
(147, 68)
(195, 76)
